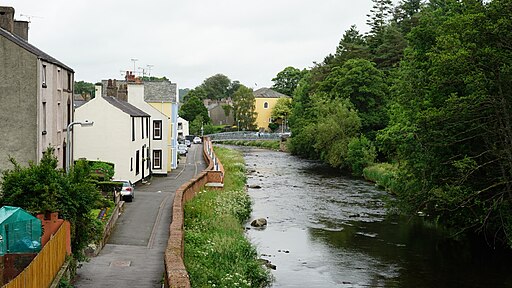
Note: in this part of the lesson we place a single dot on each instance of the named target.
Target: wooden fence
(45, 266)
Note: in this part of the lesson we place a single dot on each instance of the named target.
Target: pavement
(134, 253)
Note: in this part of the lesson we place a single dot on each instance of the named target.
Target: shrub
(361, 154)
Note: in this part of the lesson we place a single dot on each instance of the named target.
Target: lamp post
(68, 148)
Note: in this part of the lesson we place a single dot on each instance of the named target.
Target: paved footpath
(134, 254)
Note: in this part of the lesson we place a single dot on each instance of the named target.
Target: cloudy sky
(189, 40)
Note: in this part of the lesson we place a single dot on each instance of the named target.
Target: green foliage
(361, 154)
(42, 187)
(216, 87)
(287, 80)
(102, 170)
(267, 144)
(273, 126)
(243, 106)
(193, 108)
(84, 88)
(382, 174)
(282, 109)
(216, 251)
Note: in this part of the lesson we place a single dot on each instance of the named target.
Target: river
(328, 230)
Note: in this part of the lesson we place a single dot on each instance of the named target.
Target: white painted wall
(110, 138)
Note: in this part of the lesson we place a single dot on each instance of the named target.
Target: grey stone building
(36, 96)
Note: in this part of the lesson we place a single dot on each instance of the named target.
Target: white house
(182, 128)
(120, 135)
(160, 149)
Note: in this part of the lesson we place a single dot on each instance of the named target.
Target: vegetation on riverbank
(427, 87)
(217, 253)
(383, 175)
(267, 144)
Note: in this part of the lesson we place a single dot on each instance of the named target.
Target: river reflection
(326, 230)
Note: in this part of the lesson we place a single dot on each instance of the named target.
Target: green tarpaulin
(20, 232)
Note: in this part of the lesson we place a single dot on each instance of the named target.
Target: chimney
(21, 29)
(7, 18)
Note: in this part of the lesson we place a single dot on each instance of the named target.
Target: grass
(267, 144)
(217, 253)
(383, 174)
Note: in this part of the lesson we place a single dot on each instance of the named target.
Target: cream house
(265, 100)
(120, 135)
(36, 92)
(159, 131)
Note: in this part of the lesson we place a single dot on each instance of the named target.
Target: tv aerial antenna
(29, 17)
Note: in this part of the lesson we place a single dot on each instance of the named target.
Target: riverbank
(383, 175)
(267, 144)
(217, 253)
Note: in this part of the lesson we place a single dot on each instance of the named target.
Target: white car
(128, 190)
(197, 140)
(182, 149)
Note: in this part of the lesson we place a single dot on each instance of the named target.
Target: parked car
(187, 142)
(197, 140)
(182, 149)
(128, 190)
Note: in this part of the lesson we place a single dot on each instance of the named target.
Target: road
(133, 256)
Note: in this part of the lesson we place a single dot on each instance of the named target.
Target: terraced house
(36, 96)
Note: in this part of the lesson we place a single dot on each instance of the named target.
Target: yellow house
(265, 100)
(163, 96)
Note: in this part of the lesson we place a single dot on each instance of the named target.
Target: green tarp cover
(20, 232)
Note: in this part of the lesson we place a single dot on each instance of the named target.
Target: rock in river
(261, 222)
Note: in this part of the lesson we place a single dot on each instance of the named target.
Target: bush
(382, 174)
(361, 154)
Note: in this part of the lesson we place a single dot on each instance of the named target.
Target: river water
(328, 230)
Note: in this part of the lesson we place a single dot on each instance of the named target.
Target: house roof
(126, 107)
(159, 91)
(268, 93)
(32, 49)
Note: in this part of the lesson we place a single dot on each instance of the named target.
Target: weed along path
(133, 255)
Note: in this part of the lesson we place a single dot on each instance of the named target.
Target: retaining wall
(175, 272)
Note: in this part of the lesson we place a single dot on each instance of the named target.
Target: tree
(84, 88)
(192, 108)
(243, 107)
(352, 45)
(216, 87)
(452, 119)
(42, 187)
(381, 13)
(363, 85)
(286, 81)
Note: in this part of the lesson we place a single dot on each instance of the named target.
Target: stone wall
(176, 272)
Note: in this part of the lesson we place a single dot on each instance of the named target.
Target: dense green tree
(283, 108)
(364, 86)
(192, 108)
(379, 16)
(243, 107)
(42, 187)
(84, 88)
(452, 117)
(216, 87)
(286, 81)
(352, 45)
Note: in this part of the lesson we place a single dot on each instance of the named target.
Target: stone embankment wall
(175, 272)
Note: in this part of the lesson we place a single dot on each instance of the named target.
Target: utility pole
(134, 60)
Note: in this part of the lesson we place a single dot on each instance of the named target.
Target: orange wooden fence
(45, 266)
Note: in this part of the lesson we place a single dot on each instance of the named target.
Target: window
(137, 160)
(157, 130)
(44, 118)
(131, 164)
(147, 127)
(157, 159)
(43, 76)
(142, 129)
(68, 113)
(180, 126)
(265, 105)
(69, 82)
(133, 128)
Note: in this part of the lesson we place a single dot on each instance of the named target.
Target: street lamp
(68, 148)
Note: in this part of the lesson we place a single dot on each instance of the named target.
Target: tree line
(427, 89)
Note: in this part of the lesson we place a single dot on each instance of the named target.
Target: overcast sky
(189, 40)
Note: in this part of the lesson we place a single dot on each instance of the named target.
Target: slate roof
(126, 107)
(32, 49)
(268, 93)
(159, 91)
